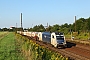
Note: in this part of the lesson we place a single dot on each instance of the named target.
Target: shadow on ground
(70, 44)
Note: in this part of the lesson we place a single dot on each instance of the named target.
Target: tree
(30, 29)
(88, 23)
(0, 29)
(41, 28)
(49, 28)
(5, 29)
(36, 28)
(55, 28)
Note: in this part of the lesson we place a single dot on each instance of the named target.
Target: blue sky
(37, 12)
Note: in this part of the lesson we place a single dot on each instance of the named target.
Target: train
(56, 39)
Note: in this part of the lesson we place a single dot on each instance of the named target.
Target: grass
(8, 48)
(2, 34)
(81, 36)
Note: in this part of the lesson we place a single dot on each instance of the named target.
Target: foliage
(38, 28)
(8, 48)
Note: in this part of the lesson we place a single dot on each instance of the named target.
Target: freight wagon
(33, 35)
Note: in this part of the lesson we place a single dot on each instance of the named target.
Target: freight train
(57, 39)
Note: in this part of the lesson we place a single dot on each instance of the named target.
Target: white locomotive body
(58, 39)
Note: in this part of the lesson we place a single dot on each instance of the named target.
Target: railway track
(72, 51)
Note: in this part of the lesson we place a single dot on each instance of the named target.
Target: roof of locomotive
(46, 33)
(59, 33)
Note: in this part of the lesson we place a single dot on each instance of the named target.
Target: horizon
(42, 12)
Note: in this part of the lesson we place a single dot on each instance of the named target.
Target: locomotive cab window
(39, 34)
(52, 36)
(60, 37)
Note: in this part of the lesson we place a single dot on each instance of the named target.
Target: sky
(36, 12)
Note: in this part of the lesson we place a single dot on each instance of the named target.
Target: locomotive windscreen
(58, 33)
(60, 37)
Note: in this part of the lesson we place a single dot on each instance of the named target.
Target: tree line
(82, 25)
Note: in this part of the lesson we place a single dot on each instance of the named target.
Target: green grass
(81, 36)
(3, 33)
(8, 48)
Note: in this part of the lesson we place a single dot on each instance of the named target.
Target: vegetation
(82, 25)
(8, 48)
